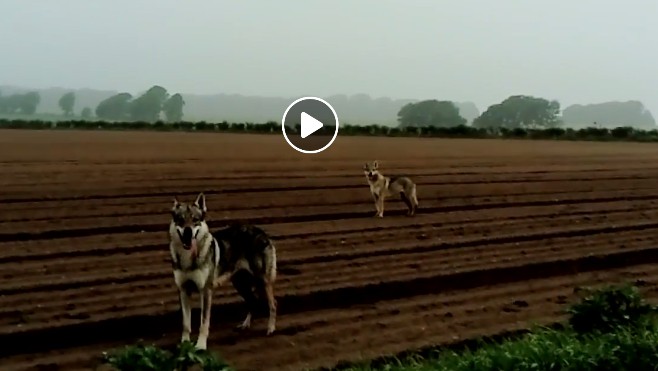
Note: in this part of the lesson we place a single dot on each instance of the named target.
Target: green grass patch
(185, 357)
(545, 349)
(612, 328)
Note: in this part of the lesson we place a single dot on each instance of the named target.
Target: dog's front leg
(376, 198)
(381, 206)
(186, 311)
(204, 328)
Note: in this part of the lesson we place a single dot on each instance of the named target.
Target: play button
(310, 125)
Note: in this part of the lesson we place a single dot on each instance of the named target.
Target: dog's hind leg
(270, 278)
(186, 312)
(271, 304)
(204, 328)
(243, 283)
(406, 201)
(414, 200)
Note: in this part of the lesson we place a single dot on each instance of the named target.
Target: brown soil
(506, 230)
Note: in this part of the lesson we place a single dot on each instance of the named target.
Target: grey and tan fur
(382, 187)
(201, 260)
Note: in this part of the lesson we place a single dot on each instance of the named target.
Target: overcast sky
(576, 51)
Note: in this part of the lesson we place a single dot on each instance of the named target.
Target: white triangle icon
(309, 125)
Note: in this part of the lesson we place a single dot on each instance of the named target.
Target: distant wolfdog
(201, 260)
(382, 187)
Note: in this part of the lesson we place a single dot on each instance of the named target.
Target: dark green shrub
(455, 131)
(223, 126)
(139, 358)
(550, 133)
(607, 309)
(394, 132)
(622, 132)
(202, 125)
(593, 133)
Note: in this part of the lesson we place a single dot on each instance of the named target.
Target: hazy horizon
(577, 53)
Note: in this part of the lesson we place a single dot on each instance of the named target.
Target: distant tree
(521, 111)
(29, 102)
(147, 107)
(173, 108)
(24, 103)
(10, 103)
(66, 103)
(610, 115)
(86, 113)
(430, 113)
(115, 107)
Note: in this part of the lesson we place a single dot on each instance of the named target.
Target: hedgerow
(462, 131)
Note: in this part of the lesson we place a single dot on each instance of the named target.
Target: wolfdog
(382, 186)
(202, 260)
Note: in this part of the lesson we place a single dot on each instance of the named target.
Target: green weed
(151, 358)
(609, 308)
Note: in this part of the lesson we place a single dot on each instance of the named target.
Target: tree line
(516, 111)
(151, 106)
(147, 107)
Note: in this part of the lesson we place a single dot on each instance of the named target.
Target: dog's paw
(270, 331)
(201, 344)
(222, 280)
(243, 326)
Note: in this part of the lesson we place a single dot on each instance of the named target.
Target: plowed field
(505, 231)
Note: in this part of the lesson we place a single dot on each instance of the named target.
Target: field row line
(318, 234)
(186, 189)
(350, 296)
(324, 249)
(312, 277)
(233, 204)
(321, 181)
(328, 216)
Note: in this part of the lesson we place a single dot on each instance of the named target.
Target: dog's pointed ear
(375, 164)
(176, 203)
(365, 166)
(200, 202)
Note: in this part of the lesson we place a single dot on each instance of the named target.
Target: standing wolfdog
(201, 260)
(382, 187)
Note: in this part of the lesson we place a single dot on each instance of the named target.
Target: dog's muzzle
(187, 238)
